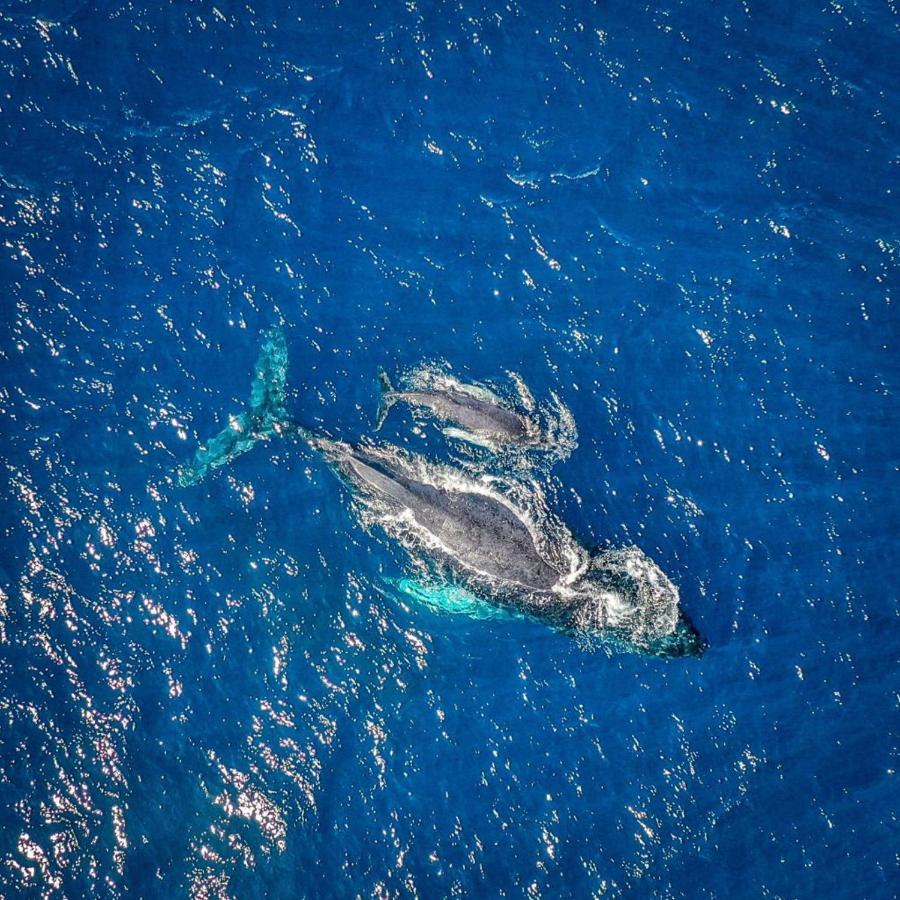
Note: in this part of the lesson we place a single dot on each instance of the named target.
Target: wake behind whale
(499, 537)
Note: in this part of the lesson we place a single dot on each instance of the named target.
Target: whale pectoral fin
(460, 435)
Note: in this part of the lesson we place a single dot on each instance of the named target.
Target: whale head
(624, 594)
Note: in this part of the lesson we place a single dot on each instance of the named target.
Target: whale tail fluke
(265, 414)
(387, 400)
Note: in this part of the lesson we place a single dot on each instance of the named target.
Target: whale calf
(478, 416)
(498, 538)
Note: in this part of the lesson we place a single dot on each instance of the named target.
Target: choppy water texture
(681, 219)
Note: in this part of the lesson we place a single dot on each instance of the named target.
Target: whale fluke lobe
(264, 416)
(267, 391)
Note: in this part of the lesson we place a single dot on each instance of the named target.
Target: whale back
(471, 412)
(457, 519)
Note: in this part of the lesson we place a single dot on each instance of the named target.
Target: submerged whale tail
(264, 416)
(387, 400)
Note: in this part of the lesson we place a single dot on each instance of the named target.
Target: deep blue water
(682, 218)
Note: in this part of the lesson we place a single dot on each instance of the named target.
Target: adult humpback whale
(498, 537)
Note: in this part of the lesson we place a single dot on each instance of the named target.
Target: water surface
(681, 219)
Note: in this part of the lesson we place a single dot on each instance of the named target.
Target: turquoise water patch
(450, 599)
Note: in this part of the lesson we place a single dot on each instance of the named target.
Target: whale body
(478, 416)
(472, 530)
(481, 535)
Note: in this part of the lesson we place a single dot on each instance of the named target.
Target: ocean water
(680, 218)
